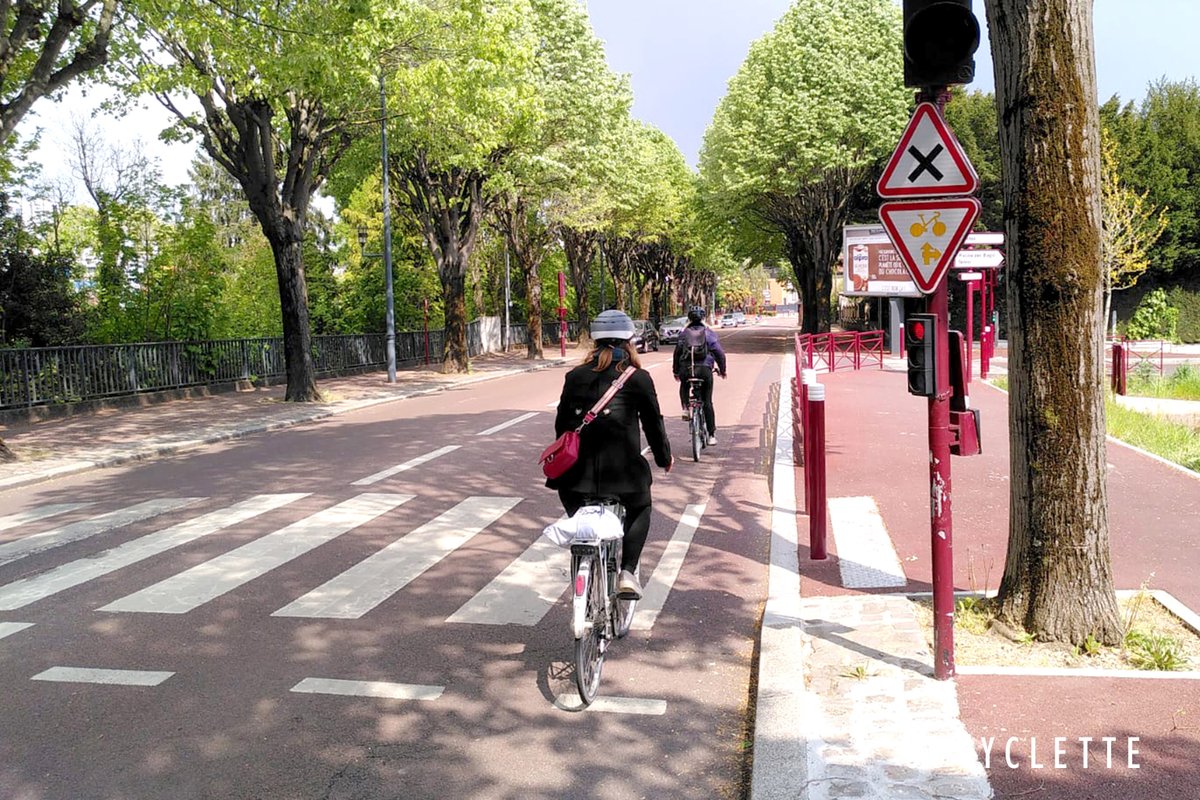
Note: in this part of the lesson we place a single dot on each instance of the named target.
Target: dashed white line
(509, 424)
(383, 689)
(407, 465)
(605, 704)
(112, 677)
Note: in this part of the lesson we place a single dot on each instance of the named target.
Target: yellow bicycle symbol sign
(919, 228)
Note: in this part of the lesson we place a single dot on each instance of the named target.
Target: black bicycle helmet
(696, 314)
(612, 324)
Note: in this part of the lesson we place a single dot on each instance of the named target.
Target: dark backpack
(694, 340)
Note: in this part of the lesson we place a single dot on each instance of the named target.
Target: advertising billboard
(871, 267)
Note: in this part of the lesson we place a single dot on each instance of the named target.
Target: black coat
(610, 457)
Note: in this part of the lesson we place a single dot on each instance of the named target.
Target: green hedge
(1188, 303)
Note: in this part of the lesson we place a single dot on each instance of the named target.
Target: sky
(680, 54)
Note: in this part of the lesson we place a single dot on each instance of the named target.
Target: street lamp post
(387, 240)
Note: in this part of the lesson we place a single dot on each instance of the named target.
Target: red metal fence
(845, 349)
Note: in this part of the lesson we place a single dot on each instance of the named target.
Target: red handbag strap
(603, 401)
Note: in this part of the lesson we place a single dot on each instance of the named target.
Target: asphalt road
(363, 607)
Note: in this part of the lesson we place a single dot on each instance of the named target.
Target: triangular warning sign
(928, 233)
(929, 161)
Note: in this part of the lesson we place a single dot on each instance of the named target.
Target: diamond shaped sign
(928, 162)
(928, 234)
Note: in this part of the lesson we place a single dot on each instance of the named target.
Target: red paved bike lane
(877, 447)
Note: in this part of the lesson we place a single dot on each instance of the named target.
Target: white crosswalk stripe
(524, 591)
(204, 582)
(368, 583)
(28, 590)
(34, 514)
(505, 425)
(39, 542)
(654, 594)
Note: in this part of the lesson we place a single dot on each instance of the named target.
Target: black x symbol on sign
(925, 163)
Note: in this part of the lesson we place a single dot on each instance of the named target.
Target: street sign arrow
(928, 233)
(929, 161)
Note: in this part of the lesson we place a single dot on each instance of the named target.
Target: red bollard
(985, 351)
(902, 340)
(816, 509)
(1120, 368)
(807, 378)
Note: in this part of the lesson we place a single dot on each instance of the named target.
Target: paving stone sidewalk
(54, 447)
(878, 724)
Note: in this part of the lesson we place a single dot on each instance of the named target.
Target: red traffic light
(918, 330)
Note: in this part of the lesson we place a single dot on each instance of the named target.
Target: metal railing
(40, 376)
(844, 349)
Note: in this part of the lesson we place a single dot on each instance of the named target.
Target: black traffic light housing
(920, 343)
(940, 40)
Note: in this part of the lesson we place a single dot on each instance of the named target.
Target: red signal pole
(940, 507)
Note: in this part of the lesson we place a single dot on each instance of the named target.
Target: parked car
(739, 318)
(644, 336)
(727, 321)
(668, 332)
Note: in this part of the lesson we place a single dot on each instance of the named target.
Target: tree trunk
(580, 249)
(533, 300)
(456, 356)
(6, 455)
(1058, 576)
(293, 307)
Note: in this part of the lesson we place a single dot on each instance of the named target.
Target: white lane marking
(865, 552)
(645, 449)
(655, 366)
(605, 704)
(407, 465)
(112, 677)
(553, 405)
(508, 424)
(524, 591)
(384, 689)
(11, 551)
(28, 590)
(41, 512)
(9, 628)
(654, 596)
(204, 582)
(373, 580)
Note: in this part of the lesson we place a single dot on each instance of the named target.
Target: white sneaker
(628, 587)
(712, 440)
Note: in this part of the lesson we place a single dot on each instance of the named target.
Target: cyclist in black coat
(610, 460)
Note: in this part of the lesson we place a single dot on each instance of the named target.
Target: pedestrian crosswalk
(520, 594)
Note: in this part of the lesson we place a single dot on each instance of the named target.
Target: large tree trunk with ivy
(1058, 575)
(448, 204)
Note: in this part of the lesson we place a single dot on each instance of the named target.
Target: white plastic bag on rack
(589, 524)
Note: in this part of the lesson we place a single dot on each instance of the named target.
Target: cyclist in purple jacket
(696, 353)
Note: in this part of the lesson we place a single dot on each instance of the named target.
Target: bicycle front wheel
(589, 652)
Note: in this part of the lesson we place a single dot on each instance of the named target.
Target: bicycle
(697, 427)
(598, 614)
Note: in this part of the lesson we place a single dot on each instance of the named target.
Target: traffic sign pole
(941, 519)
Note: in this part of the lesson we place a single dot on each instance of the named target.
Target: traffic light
(920, 341)
(940, 40)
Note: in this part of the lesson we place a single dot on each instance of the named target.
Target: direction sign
(928, 233)
(978, 259)
(929, 162)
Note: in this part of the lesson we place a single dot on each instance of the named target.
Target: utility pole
(387, 239)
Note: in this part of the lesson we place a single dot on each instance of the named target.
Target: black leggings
(704, 392)
(637, 521)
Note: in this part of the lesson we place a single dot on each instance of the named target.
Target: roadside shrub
(1188, 304)
(1154, 318)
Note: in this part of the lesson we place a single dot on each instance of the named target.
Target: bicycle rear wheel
(589, 648)
(697, 428)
